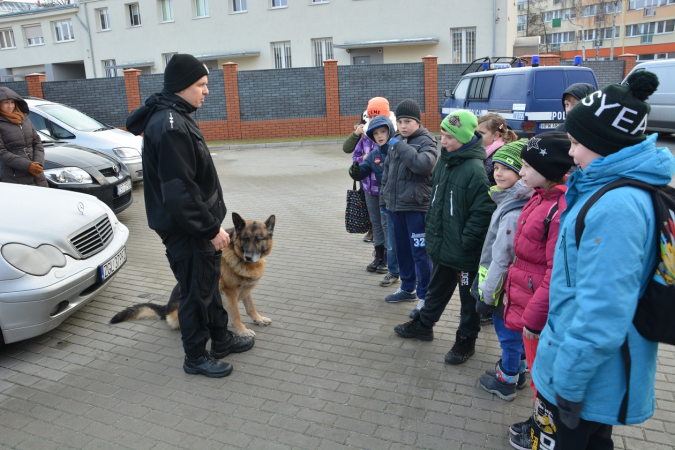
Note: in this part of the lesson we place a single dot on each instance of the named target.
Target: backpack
(656, 308)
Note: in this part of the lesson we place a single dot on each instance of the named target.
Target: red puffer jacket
(527, 284)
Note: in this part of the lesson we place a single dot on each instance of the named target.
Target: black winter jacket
(20, 145)
(406, 181)
(182, 190)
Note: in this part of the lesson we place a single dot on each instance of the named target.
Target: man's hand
(359, 130)
(221, 240)
(35, 169)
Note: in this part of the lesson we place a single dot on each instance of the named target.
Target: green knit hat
(461, 124)
(614, 117)
(509, 155)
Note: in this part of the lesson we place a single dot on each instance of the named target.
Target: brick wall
(395, 82)
(606, 72)
(105, 99)
(282, 94)
(20, 87)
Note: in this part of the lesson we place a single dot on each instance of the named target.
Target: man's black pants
(196, 265)
(442, 285)
(550, 433)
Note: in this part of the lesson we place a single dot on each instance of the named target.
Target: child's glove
(569, 412)
(354, 170)
(393, 141)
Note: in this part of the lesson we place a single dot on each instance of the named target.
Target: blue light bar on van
(485, 66)
(535, 61)
(520, 64)
(577, 60)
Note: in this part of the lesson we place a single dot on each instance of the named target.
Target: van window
(549, 84)
(509, 87)
(460, 89)
(579, 76)
(480, 88)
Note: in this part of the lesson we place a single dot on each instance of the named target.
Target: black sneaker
(503, 390)
(521, 441)
(521, 427)
(415, 329)
(522, 377)
(462, 350)
(230, 343)
(206, 365)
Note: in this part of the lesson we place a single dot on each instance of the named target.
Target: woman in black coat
(21, 154)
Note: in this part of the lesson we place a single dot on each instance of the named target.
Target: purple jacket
(363, 147)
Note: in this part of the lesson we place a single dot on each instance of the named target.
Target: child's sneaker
(462, 350)
(522, 377)
(401, 296)
(521, 441)
(369, 236)
(415, 329)
(521, 427)
(389, 279)
(500, 384)
(420, 305)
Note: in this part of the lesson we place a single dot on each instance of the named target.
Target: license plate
(113, 265)
(549, 125)
(123, 187)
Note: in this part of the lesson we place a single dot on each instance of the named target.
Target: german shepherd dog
(241, 267)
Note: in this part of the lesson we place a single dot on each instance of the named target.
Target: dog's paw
(245, 333)
(263, 321)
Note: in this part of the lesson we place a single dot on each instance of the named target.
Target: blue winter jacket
(594, 290)
(374, 161)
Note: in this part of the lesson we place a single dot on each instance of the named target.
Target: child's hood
(377, 122)
(519, 191)
(578, 91)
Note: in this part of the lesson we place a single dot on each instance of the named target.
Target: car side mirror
(448, 93)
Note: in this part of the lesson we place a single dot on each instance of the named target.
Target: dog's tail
(141, 311)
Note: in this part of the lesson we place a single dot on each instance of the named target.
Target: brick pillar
(133, 90)
(34, 81)
(431, 118)
(629, 61)
(330, 74)
(549, 60)
(232, 99)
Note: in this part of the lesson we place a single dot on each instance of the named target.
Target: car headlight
(33, 261)
(68, 175)
(127, 152)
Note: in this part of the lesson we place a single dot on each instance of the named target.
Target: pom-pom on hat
(509, 155)
(378, 106)
(409, 109)
(614, 117)
(183, 71)
(548, 154)
(461, 124)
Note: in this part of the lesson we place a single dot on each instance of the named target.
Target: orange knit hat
(378, 106)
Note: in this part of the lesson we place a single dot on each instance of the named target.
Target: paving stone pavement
(328, 373)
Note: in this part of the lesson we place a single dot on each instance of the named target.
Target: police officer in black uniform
(184, 205)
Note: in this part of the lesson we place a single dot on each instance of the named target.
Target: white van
(662, 116)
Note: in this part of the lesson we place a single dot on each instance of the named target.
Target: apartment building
(567, 27)
(100, 38)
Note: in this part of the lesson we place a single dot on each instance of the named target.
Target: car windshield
(73, 118)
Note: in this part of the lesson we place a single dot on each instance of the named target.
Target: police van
(529, 98)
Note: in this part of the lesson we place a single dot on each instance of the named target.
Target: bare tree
(534, 23)
(616, 5)
(577, 7)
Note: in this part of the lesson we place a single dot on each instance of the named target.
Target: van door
(545, 109)
(458, 98)
(508, 98)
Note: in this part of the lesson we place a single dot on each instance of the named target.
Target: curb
(274, 144)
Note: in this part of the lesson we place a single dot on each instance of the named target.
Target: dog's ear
(238, 222)
(269, 223)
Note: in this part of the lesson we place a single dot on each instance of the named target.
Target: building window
(64, 31)
(281, 52)
(7, 39)
(323, 50)
(103, 19)
(522, 21)
(238, 6)
(167, 57)
(166, 10)
(108, 68)
(33, 34)
(314, 2)
(201, 8)
(134, 15)
(463, 45)
(651, 28)
(279, 3)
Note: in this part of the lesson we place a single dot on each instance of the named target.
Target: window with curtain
(323, 50)
(463, 45)
(238, 5)
(63, 31)
(7, 39)
(134, 15)
(166, 10)
(281, 54)
(103, 19)
(108, 70)
(201, 8)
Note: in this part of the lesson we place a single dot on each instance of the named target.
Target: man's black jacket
(182, 191)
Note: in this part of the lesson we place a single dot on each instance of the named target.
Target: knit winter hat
(548, 154)
(378, 106)
(461, 124)
(409, 109)
(509, 155)
(183, 71)
(614, 117)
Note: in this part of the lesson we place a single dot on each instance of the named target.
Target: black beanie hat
(409, 108)
(614, 117)
(183, 71)
(548, 154)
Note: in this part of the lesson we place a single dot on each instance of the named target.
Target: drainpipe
(86, 27)
(494, 25)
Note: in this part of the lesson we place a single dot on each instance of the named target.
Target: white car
(58, 250)
(69, 125)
